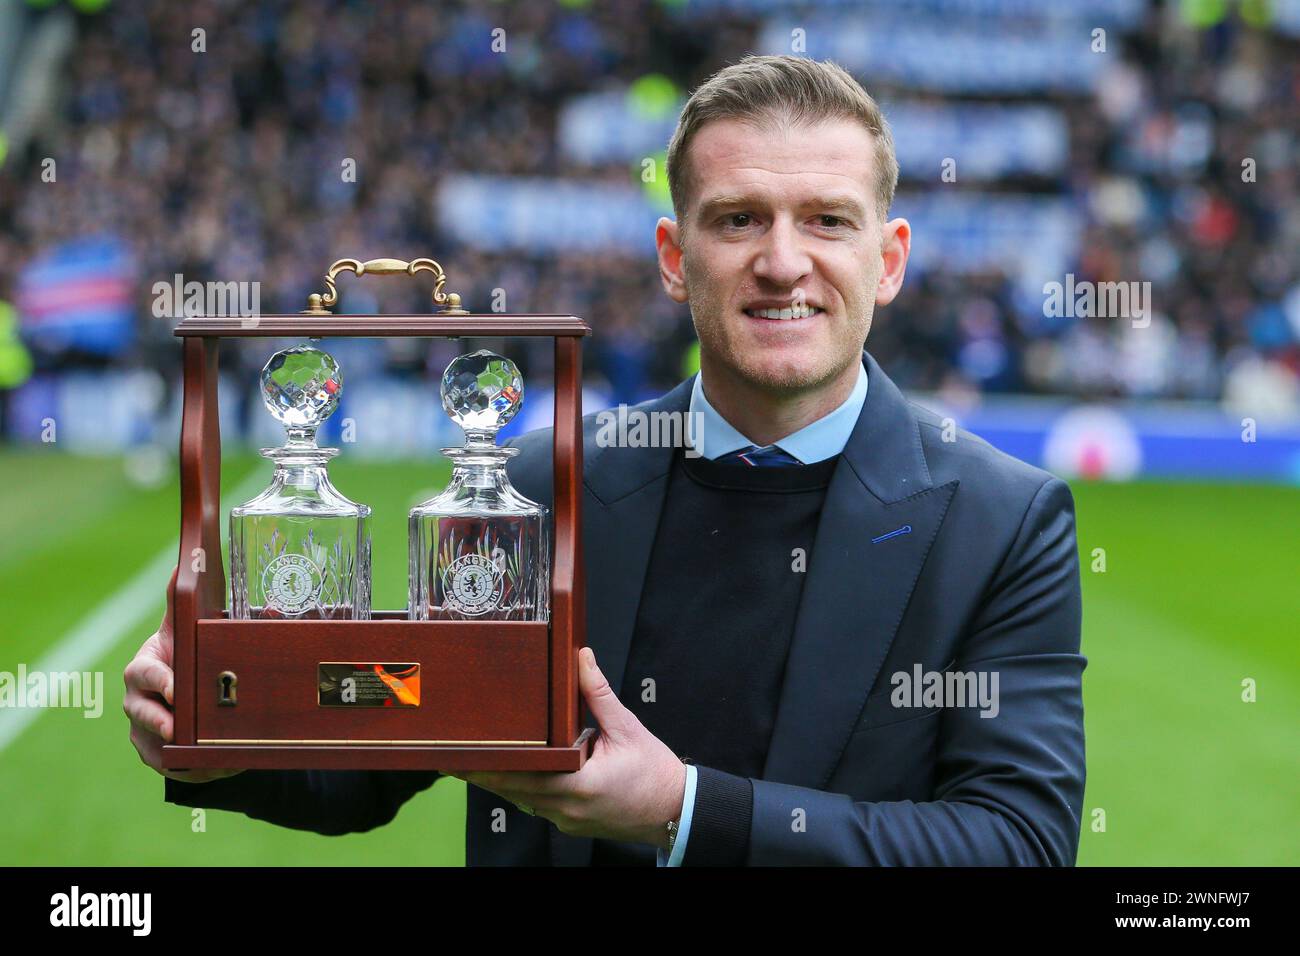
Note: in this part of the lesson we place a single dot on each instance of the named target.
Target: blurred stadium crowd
(1114, 141)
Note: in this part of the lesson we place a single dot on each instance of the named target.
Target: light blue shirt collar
(822, 439)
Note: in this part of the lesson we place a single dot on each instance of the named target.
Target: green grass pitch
(1199, 593)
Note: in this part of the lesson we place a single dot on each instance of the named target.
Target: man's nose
(782, 259)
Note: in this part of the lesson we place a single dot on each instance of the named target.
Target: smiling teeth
(798, 312)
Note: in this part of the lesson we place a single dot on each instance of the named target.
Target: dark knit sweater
(712, 633)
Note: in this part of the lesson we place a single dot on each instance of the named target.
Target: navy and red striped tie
(769, 457)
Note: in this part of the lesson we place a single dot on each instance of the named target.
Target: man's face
(781, 252)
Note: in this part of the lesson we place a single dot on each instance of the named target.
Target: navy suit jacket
(986, 579)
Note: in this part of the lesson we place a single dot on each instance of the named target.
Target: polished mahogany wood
(446, 759)
(326, 326)
(464, 665)
(490, 680)
(200, 580)
(568, 599)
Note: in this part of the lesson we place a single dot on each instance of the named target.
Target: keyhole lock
(226, 695)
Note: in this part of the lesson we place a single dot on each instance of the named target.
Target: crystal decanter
(480, 550)
(300, 550)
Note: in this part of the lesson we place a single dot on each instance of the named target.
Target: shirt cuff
(683, 826)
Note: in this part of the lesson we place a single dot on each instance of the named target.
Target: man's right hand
(148, 701)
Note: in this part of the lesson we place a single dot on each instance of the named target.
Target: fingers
(148, 746)
(147, 674)
(148, 717)
(165, 627)
(617, 723)
(524, 783)
(151, 669)
(171, 591)
(542, 803)
(199, 776)
(150, 673)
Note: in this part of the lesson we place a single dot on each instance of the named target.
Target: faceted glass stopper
(301, 388)
(481, 392)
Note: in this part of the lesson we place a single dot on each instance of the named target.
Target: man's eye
(732, 220)
(831, 222)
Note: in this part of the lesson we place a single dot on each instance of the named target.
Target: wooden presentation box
(492, 695)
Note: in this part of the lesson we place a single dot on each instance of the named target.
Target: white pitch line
(100, 630)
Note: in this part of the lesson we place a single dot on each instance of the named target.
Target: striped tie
(769, 457)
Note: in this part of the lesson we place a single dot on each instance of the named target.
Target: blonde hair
(772, 89)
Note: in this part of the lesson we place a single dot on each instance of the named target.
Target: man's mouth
(785, 315)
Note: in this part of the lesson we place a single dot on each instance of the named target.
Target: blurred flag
(78, 295)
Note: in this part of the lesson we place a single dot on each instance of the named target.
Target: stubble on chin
(764, 371)
(768, 373)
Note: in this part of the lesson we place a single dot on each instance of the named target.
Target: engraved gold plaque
(367, 685)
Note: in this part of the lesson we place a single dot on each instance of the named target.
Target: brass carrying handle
(318, 304)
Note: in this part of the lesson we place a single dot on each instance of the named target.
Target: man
(769, 610)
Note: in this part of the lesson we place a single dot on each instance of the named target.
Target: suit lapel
(879, 519)
(853, 599)
(624, 497)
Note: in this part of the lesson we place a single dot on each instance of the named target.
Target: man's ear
(668, 245)
(895, 247)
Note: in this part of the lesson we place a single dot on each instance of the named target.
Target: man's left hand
(629, 788)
